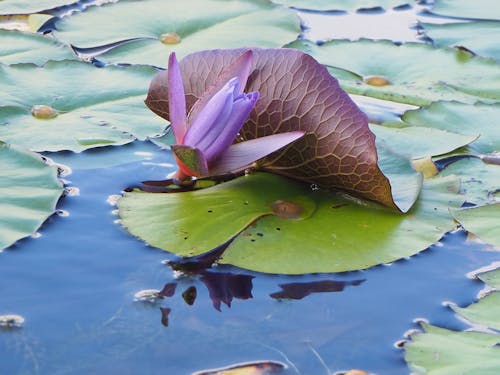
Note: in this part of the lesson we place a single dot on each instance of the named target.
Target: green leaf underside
(485, 312)
(106, 109)
(20, 47)
(483, 221)
(445, 74)
(482, 119)
(479, 181)
(346, 236)
(30, 6)
(29, 190)
(341, 4)
(201, 25)
(481, 37)
(439, 351)
(478, 9)
(420, 142)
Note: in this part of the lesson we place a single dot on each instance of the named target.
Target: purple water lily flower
(204, 138)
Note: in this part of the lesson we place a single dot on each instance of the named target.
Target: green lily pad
(486, 312)
(479, 181)
(384, 70)
(480, 37)
(24, 22)
(347, 236)
(440, 351)
(420, 142)
(482, 221)
(478, 9)
(184, 27)
(29, 191)
(21, 47)
(482, 119)
(341, 4)
(492, 278)
(79, 106)
(29, 6)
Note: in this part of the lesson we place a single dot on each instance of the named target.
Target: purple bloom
(204, 139)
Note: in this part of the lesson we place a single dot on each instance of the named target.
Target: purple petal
(176, 99)
(191, 160)
(242, 107)
(241, 155)
(240, 68)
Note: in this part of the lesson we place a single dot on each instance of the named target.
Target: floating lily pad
(411, 73)
(479, 37)
(21, 47)
(492, 278)
(482, 119)
(479, 181)
(71, 105)
(420, 142)
(342, 4)
(30, 6)
(483, 221)
(180, 26)
(29, 191)
(486, 312)
(478, 9)
(23, 22)
(442, 351)
(299, 230)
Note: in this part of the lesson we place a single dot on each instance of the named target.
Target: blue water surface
(75, 287)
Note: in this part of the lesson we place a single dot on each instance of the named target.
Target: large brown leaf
(296, 93)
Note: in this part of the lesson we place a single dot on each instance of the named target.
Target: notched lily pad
(296, 93)
(29, 191)
(180, 26)
(96, 107)
(343, 5)
(444, 74)
(478, 9)
(483, 221)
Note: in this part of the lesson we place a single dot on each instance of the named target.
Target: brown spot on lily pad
(170, 38)
(378, 81)
(287, 210)
(43, 112)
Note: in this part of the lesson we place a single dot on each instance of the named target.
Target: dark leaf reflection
(301, 290)
(189, 295)
(224, 286)
(165, 311)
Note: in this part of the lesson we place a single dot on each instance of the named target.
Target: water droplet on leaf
(170, 38)
(43, 112)
(378, 81)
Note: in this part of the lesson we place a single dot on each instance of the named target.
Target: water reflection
(301, 290)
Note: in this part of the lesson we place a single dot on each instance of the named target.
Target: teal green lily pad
(483, 221)
(29, 6)
(478, 9)
(420, 142)
(328, 234)
(85, 106)
(479, 181)
(402, 74)
(492, 278)
(440, 351)
(184, 27)
(485, 312)
(21, 47)
(480, 37)
(29, 191)
(341, 4)
(482, 119)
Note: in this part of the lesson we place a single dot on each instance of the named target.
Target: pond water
(75, 281)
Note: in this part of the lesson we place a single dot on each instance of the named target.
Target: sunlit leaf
(479, 37)
(70, 105)
(460, 118)
(296, 93)
(439, 351)
(483, 221)
(341, 4)
(29, 190)
(299, 230)
(445, 74)
(419, 142)
(478, 9)
(479, 181)
(180, 26)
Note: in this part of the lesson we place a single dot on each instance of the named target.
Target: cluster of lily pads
(67, 86)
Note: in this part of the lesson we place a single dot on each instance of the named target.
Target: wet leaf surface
(444, 74)
(199, 25)
(338, 150)
(108, 108)
(29, 191)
